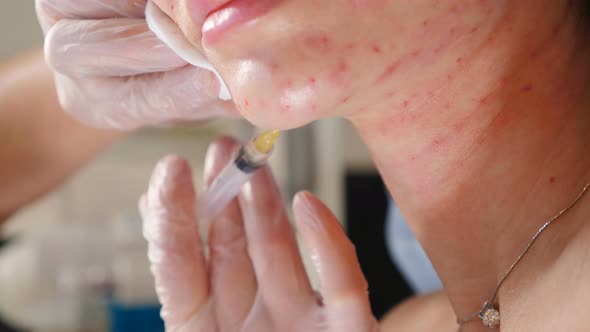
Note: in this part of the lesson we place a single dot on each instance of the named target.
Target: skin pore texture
(477, 116)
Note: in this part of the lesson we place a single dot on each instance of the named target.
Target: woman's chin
(276, 125)
(277, 119)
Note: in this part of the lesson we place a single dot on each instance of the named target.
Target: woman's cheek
(289, 95)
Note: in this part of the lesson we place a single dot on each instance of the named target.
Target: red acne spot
(285, 107)
(552, 179)
(452, 31)
(528, 87)
(389, 71)
(449, 77)
(459, 126)
(490, 39)
(461, 164)
(350, 46)
(172, 7)
(246, 103)
(376, 49)
(437, 143)
(413, 157)
(548, 65)
(415, 53)
(447, 106)
(344, 100)
(533, 54)
(459, 60)
(312, 81)
(286, 85)
(342, 66)
(405, 103)
(360, 3)
(403, 118)
(439, 48)
(424, 23)
(274, 67)
(338, 75)
(483, 100)
(314, 107)
(474, 29)
(317, 42)
(362, 109)
(430, 94)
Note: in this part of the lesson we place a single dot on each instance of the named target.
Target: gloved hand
(112, 71)
(253, 279)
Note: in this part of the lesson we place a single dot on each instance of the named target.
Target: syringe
(227, 184)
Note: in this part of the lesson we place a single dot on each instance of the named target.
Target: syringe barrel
(223, 189)
(227, 184)
(249, 159)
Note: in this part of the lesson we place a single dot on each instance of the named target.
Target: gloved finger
(112, 47)
(185, 94)
(50, 12)
(233, 283)
(175, 251)
(281, 276)
(344, 288)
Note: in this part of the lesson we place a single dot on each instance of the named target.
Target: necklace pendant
(490, 316)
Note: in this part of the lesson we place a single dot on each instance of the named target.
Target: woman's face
(289, 62)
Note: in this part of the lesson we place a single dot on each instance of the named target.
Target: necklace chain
(489, 305)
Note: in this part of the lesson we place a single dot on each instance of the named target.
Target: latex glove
(254, 279)
(112, 71)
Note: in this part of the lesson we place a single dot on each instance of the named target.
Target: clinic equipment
(226, 186)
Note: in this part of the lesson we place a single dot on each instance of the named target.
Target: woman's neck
(495, 147)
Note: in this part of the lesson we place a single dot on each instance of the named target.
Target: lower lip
(232, 15)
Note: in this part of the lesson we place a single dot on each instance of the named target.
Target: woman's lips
(233, 14)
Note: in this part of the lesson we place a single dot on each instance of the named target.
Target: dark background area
(366, 210)
(3, 327)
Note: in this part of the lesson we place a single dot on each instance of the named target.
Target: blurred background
(75, 259)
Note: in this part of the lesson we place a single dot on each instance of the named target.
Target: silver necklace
(489, 313)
